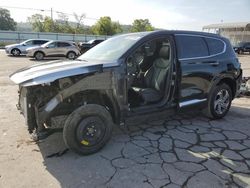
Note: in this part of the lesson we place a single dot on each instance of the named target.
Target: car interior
(148, 69)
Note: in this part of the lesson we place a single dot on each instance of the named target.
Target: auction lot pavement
(185, 150)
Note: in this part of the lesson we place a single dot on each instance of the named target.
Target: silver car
(54, 49)
(18, 49)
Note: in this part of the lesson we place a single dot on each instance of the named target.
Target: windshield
(113, 48)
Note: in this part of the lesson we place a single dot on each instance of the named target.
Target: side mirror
(46, 46)
(24, 44)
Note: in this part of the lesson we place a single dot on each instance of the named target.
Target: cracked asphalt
(184, 150)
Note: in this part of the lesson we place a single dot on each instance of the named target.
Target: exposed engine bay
(41, 103)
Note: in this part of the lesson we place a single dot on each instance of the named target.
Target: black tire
(216, 108)
(71, 55)
(39, 56)
(15, 52)
(77, 138)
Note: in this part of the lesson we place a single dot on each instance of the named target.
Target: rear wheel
(71, 55)
(39, 56)
(88, 129)
(219, 101)
(16, 52)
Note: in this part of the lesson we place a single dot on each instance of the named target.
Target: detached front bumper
(26, 107)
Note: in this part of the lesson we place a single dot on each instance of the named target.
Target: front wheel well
(71, 51)
(100, 97)
(15, 49)
(12, 51)
(231, 83)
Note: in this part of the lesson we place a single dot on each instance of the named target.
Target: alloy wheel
(71, 55)
(15, 52)
(222, 101)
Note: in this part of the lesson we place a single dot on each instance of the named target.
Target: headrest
(163, 60)
(164, 51)
(149, 48)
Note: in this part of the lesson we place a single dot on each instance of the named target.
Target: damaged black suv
(126, 76)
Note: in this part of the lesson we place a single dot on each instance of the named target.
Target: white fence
(18, 36)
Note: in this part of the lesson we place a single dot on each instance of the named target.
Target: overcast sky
(166, 14)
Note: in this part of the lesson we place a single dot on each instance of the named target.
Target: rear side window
(63, 44)
(39, 42)
(191, 46)
(215, 46)
(98, 41)
(43, 41)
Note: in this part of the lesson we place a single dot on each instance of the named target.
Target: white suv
(54, 49)
(18, 49)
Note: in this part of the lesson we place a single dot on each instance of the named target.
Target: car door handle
(212, 63)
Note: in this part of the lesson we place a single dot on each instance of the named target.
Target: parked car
(242, 47)
(18, 49)
(126, 76)
(54, 49)
(85, 46)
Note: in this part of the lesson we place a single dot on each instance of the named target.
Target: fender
(216, 80)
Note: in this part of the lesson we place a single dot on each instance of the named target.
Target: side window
(215, 46)
(38, 42)
(63, 44)
(191, 47)
(98, 41)
(52, 45)
(43, 42)
(30, 42)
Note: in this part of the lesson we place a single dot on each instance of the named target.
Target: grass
(3, 44)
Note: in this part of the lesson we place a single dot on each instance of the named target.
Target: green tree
(49, 25)
(6, 22)
(140, 25)
(105, 26)
(37, 22)
(46, 24)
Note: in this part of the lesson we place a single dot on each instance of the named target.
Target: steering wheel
(133, 66)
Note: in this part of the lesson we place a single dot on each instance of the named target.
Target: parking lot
(185, 150)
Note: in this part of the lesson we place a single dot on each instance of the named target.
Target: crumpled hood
(51, 71)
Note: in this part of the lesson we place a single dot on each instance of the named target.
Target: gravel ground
(174, 151)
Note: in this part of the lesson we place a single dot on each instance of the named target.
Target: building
(235, 32)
